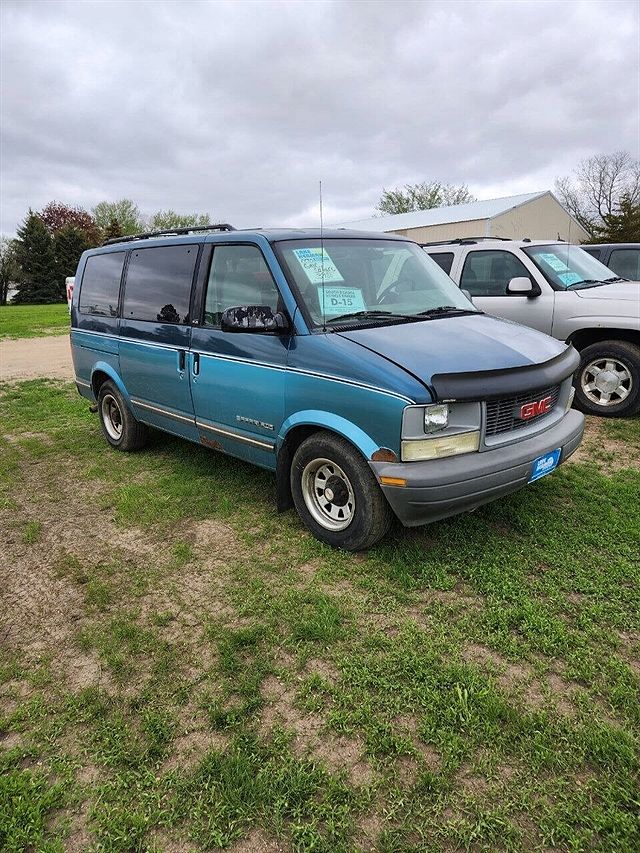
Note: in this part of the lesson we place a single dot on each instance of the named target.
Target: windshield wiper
(587, 281)
(371, 315)
(616, 278)
(447, 309)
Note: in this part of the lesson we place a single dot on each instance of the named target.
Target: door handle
(182, 360)
(196, 363)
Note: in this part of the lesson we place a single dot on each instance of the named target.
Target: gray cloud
(239, 108)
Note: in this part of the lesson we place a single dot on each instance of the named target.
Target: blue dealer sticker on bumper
(545, 464)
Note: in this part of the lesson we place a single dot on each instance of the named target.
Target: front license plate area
(545, 464)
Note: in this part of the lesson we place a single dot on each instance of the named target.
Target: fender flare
(105, 367)
(322, 420)
(334, 423)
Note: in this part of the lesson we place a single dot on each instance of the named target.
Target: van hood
(627, 290)
(465, 344)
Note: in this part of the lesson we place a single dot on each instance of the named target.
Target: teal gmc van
(347, 363)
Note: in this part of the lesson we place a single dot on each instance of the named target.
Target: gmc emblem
(538, 407)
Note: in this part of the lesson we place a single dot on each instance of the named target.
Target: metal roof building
(534, 215)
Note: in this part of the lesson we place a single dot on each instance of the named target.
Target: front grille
(502, 414)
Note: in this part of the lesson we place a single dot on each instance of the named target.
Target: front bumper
(443, 487)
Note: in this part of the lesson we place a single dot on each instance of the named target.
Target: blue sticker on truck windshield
(569, 278)
(553, 261)
(317, 265)
(340, 300)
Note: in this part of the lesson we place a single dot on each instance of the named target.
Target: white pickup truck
(563, 291)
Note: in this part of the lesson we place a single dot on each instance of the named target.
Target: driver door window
(239, 275)
(488, 273)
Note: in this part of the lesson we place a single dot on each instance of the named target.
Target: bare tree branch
(598, 184)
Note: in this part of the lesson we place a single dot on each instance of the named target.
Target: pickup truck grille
(503, 415)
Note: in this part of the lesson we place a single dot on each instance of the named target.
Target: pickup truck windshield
(569, 267)
(357, 281)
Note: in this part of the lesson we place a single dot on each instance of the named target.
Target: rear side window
(101, 284)
(443, 259)
(625, 263)
(158, 284)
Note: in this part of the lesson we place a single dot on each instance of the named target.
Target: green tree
(9, 267)
(113, 230)
(422, 197)
(125, 212)
(623, 226)
(68, 244)
(165, 219)
(597, 187)
(35, 255)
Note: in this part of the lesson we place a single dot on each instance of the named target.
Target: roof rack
(171, 232)
(463, 241)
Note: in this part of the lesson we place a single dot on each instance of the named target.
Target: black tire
(367, 516)
(119, 426)
(625, 356)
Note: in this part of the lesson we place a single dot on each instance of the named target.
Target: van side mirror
(259, 319)
(522, 286)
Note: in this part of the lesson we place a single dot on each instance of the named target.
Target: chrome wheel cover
(111, 416)
(328, 494)
(606, 381)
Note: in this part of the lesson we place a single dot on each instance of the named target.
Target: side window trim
(199, 287)
(123, 279)
(202, 302)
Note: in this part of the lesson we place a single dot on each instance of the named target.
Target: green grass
(216, 671)
(33, 321)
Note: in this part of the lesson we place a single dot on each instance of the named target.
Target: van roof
(217, 234)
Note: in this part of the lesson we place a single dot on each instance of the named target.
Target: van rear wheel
(336, 494)
(607, 382)
(119, 426)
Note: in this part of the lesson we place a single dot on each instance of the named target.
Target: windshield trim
(320, 328)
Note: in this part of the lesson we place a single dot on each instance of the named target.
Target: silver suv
(563, 291)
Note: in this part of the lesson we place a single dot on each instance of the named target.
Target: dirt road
(33, 358)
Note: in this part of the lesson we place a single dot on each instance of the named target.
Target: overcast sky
(239, 108)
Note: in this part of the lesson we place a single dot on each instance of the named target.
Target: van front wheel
(336, 494)
(119, 426)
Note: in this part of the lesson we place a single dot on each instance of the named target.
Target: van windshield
(569, 267)
(356, 281)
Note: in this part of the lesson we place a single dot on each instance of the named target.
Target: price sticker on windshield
(317, 265)
(340, 300)
(568, 278)
(553, 261)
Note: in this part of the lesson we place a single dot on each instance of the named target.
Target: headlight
(435, 418)
(437, 448)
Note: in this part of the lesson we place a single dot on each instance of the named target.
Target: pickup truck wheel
(336, 494)
(119, 426)
(607, 382)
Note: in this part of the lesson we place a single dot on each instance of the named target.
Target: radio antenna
(324, 311)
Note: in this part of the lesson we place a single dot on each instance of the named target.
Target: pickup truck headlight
(436, 417)
(414, 450)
